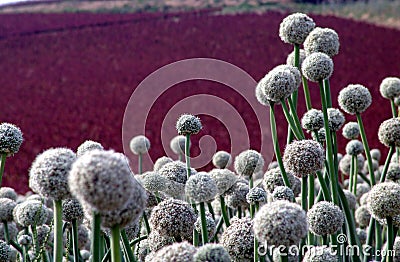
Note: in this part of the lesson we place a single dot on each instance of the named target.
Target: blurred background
(68, 68)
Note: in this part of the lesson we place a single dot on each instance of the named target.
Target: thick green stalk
(390, 238)
(304, 193)
(306, 93)
(295, 117)
(290, 120)
(223, 211)
(128, 250)
(58, 234)
(140, 163)
(276, 145)
(204, 232)
(6, 233)
(95, 248)
(115, 246)
(366, 149)
(187, 154)
(75, 240)
(387, 163)
(211, 210)
(329, 153)
(393, 106)
(251, 205)
(324, 187)
(2, 165)
(327, 90)
(311, 195)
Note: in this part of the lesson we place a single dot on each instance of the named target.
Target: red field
(68, 77)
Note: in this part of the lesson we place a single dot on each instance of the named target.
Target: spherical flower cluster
(290, 58)
(30, 212)
(129, 213)
(139, 145)
(351, 130)
(280, 223)
(320, 253)
(283, 193)
(313, 120)
(325, 218)
(95, 169)
(238, 239)
(317, 67)
(354, 99)
(324, 40)
(200, 187)
(248, 162)
(224, 178)
(295, 28)
(321, 138)
(273, 178)
(259, 92)
(48, 175)
(256, 195)
(362, 235)
(362, 216)
(212, 253)
(293, 70)
(188, 125)
(8, 192)
(177, 144)
(278, 85)
(154, 182)
(351, 199)
(5, 251)
(156, 241)
(72, 210)
(6, 209)
(24, 240)
(393, 172)
(160, 162)
(88, 146)
(376, 154)
(362, 188)
(354, 148)
(178, 252)
(222, 159)
(384, 200)
(10, 139)
(210, 224)
(335, 119)
(235, 197)
(390, 87)
(304, 157)
(345, 162)
(175, 171)
(389, 132)
(173, 218)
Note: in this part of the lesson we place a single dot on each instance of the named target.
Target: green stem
(217, 229)
(289, 119)
(304, 193)
(204, 231)
(295, 117)
(137, 240)
(366, 149)
(370, 236)
(223, 211)
(128, 250)
(239, 212)
(390, 238)
(276, 145)
(146, 223)
(306, 93)
(211, 210)
(195, 238)
(96, 237)
(58, 234)
(327, 89)
(25, 255)
(329, 153)
(2, 165)
(140, 163)
(393, 106)
(387, 163)
(311, 195)
(187, 154)
(115, 247)
(6, 233)
(75, 240)
(324, 187)
(251, 205)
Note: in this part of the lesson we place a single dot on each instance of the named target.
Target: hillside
(68, 77)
